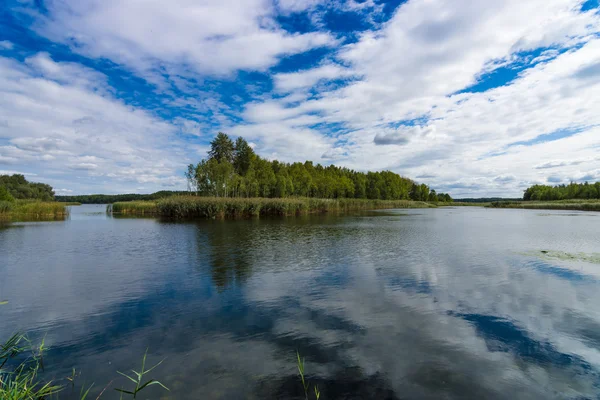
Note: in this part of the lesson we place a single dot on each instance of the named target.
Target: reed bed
(464, 204)
(573, 205)
(33, 209)
(140, 207)
(180, 207)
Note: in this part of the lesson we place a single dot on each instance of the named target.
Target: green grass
(27, 209)
(21, 363)
(70, 203)
(575, 205)
(219, 207)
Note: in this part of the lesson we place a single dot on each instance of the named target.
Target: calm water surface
(410, 304)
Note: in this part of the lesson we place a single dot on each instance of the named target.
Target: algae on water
(593, 258)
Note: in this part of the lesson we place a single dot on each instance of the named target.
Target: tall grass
(33, 209)
(21, 362)
(574, 205)
(224, 207)
(133, 207)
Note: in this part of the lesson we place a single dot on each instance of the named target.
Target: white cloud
(408, 68)
(59, 127)
(216, 37)
(12, 172)
(286, 82)
(430, 50)
(6, 45)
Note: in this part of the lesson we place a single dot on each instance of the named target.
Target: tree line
(233, 169)
(17, 187)
(563, 192)
(113, 198)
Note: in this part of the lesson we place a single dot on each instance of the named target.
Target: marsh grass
(180, 207)
(26, 209)
(138, 379)
(464, 204)
(305, 382)
(592, 258)
(22, 381)
(133, 207)
(576, 205)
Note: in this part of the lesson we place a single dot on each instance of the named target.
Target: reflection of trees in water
(233, 249)
(226, 247)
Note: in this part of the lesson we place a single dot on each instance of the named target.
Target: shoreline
(190, 207)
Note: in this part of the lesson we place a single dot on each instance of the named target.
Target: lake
(448, 303)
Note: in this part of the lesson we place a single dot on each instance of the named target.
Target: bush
(5, 195)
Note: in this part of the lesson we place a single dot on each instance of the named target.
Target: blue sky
(474, 98)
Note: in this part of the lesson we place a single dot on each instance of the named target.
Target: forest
(235, 170)
(19, 188)
(113, 198)
(563, 192)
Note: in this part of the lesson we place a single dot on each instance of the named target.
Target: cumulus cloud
(57, 124)
(6, 45)
(306, 79)
(417, 93)
(415, 67)
(218, 37)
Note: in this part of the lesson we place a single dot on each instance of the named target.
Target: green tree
(236, 170)
(221, 148)
(243, 156)
(5, 195)
(433, 195)
(190, 175)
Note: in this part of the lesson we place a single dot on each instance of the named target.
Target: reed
(21, 363)
(180, 207)
(573, 205)
(33, 209)
(134, 207)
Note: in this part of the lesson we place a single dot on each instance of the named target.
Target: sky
(474, 98)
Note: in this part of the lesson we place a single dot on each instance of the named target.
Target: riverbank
(573, 205)
(25, 209)
(219, 207)
(465, 204)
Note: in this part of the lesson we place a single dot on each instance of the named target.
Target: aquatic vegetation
(33, 209)
(140, 207)
(305, 383)
(593, 258)
(465, 204)
(23, 381)
(228, 207)
(139, 378)
(575, 205)
(6, 207)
